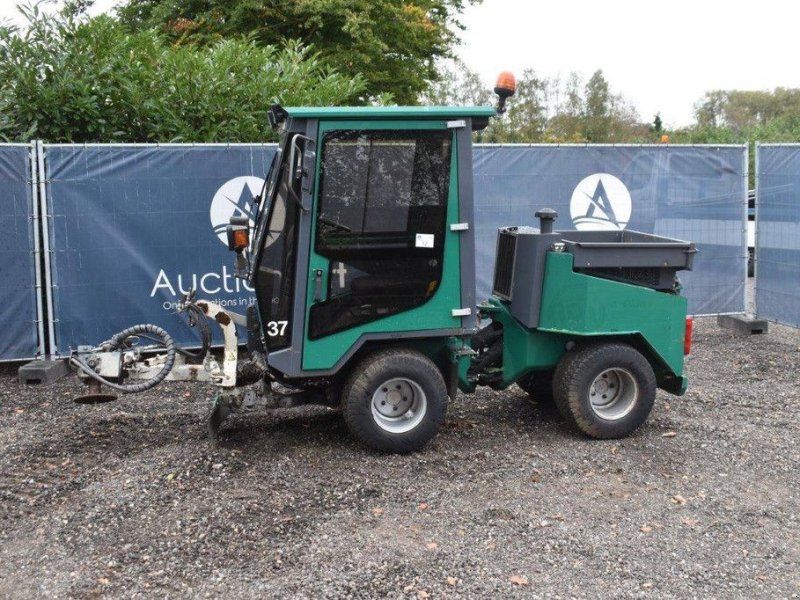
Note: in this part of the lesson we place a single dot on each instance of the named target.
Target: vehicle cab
(364, 232)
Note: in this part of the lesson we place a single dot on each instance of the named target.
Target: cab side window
(381, 219)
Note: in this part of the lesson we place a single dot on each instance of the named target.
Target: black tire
(619, 403)
(395, 401)
(538, 385)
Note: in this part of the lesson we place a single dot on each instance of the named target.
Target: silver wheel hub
(399, 405)
(613, 394)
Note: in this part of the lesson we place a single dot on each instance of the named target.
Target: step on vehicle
(363, 262)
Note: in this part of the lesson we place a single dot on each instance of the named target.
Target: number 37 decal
(276, 328)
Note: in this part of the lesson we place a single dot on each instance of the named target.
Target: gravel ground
(130, 498)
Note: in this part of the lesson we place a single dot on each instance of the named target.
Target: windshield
(267, 201)
(274, 266)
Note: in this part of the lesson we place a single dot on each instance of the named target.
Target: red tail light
(687, 336)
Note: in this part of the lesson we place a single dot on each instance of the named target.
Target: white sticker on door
(424, 240)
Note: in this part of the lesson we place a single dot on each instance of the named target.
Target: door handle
(317, 285)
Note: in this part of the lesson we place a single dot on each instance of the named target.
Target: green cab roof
(390, 112)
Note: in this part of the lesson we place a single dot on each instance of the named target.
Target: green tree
(742, 110)
(75, 79)
(566, 123)
(545, 110)
(394, 44)
(597, 114)
(592, 113)
(457, 85)
(525, 119)
(658, 124)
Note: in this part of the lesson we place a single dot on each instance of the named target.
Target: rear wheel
(605, 390)
(395, 401)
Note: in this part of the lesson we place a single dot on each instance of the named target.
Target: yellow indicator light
(241, 240)
(506, 84)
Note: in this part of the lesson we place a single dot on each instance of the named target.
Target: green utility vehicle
(362, 257)
(363, 264)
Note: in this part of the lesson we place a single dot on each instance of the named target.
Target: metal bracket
(227, 378)
(465, 351)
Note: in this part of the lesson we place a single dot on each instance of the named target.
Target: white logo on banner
(600, 201)
(233, 198)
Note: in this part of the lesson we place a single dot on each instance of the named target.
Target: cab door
(384, 260)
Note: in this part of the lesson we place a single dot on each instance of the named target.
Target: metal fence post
(47, 219)
(37, 250)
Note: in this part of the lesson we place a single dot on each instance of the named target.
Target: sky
(662, 57)
(9, 12)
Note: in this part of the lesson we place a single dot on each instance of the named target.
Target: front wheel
(606, 390)
(395, 401)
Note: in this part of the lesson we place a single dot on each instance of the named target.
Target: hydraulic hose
(198, 317)
(117, 342)
(195, 317)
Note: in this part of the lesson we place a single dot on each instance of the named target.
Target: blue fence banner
(18, 255)
(134, 227)
(777, 256)
(694, 193)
